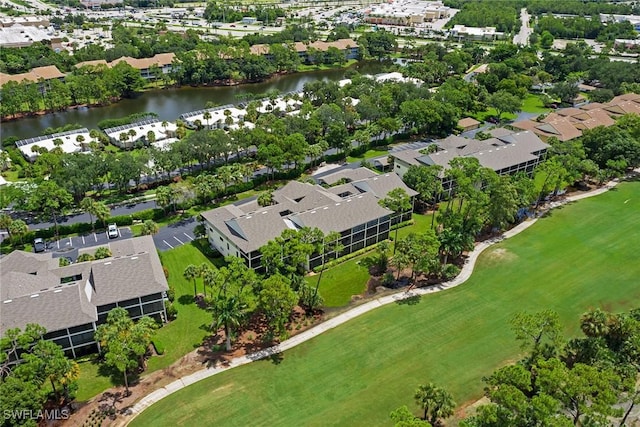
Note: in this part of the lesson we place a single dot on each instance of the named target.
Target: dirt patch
(501, 254)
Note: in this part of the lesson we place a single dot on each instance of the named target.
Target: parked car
(39, 245)
(112, 231)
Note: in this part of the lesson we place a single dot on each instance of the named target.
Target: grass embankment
(583, 255)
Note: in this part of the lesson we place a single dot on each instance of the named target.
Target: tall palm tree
(208, 276)
(87, 205)
(190, 273)
(207, 117)
(227, 313)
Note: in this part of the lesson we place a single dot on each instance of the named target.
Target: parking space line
(95, 236)
(178, 240)
(83, 240)
(188, 237)
(70, 242)
(167, 243)
(58, 243)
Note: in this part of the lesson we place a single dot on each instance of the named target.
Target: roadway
(522, 38)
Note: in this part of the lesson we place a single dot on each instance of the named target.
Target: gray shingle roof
(345, 214)
(501, 152)
(300, 204)
(60, 297)
(348, 174)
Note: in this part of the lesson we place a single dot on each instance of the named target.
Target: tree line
(590, 379)
(590, 27)
(488, 13)
(36, 374)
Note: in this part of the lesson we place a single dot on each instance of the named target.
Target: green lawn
(533, 104)
(582, 255)
(368, 155)
(491, 112)
(339, 283)
(179, 337)
(90, 383)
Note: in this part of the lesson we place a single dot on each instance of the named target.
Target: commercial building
(72, 141)
(462, 32)
(406, 12)
(71, 301)
(19, 35)
(351, 209)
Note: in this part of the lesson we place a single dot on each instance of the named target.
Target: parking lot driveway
(68, 246)
(176, 234)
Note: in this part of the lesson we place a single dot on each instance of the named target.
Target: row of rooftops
(503, 150)
(161, 60)
(52, 72)
(71, 144)
(35, 289)
(300, 47)
(569, 123)
(250, 226)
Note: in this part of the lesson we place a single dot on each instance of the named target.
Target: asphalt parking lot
(68, 246)
(175, 235)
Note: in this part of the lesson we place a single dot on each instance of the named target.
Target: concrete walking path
(464, 275)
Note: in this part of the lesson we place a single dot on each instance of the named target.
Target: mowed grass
(339, 283)
(533, 104)
(186, 332)
(583, 255)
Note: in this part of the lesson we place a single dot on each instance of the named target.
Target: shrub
(388, 279)
(450, 271)
(344, 258)
(62, 262)
(171, 293)
(165, 270)
(172, 311)
(85, 257)
(102, 252)
(122, 220)
(158, 345)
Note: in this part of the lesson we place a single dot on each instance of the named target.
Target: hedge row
(346, 257)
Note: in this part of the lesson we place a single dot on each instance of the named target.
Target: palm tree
(208, 276)
(435, 401)
(149, 227)
(87, 204)
(595, 323)
(80, 139)
(265, 198)
(190, 273)
(102, 212)
(19, 228)
(207, 117)
(331, 246)
(227, 313)
(399, 202)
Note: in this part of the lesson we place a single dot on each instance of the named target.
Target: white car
(112, 231)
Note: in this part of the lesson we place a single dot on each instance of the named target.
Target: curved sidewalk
(464, 275)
